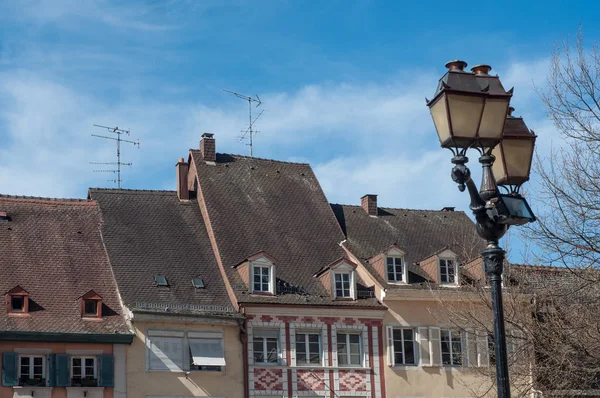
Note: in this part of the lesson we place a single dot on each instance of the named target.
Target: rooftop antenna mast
(119, 132)
(250, 130)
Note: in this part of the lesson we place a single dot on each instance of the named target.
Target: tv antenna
(249, 132)
(119, 132)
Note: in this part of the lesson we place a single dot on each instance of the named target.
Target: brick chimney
(208, 147)
(182, 179)
(369, 204)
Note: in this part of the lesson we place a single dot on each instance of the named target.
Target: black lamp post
(471, 110)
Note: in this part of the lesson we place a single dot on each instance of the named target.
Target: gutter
(242, 323)
(66, 337)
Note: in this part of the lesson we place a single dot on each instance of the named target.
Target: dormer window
(343, 285)
(261, 279)
(258, 271)
(396, 269)
(17, 301)
(448, 274)
(91, 305)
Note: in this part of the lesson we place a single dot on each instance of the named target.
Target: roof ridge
(125, 190)
(401, 208)
(38, 199)
(256, 158)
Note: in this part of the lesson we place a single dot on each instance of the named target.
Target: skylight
(160, 280)
(198, 283)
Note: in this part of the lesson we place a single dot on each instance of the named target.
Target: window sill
(319, 367)
(407, 367)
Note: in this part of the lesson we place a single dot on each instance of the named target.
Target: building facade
(63, 333)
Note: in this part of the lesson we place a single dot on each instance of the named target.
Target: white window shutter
(483, 353)
(390, 345)
(435, 346)
(469, 348)
(424, 350)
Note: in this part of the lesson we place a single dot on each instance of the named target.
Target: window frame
(403, 343)
(351, 281)
(31, 374)
(451, 352)
(97, 304)
(270, 267)
(403, 274)
(264, 335)
(306, 343)
(348, 355)
(83, 366)
(447, 274)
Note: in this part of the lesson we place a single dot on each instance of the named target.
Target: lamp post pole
(493, 255)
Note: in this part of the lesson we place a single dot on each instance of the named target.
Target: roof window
(17, 301)
(160, 280)
(4, 216)
(91, 305)
(198, 283)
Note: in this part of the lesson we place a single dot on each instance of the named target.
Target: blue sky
(343, 85)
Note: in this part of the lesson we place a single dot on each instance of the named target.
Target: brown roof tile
(279, 207)
(53, 249)
(150, 233)
(421, 233)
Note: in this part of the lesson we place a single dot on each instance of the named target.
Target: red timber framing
(290, 378)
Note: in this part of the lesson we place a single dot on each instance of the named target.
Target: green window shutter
(62, 371)
(51, 370)
(106, 370)
(10, 364)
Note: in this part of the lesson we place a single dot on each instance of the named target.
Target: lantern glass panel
(439, 113)
(494, 116)
(465, 113)
(513, 160)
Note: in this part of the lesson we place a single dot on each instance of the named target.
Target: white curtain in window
(166, 353)
(207, 352)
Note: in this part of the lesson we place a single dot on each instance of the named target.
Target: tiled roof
(279, 207)
(420, 233)
(53, 249)
(150, 233)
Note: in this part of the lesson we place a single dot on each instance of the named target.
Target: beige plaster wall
(141, 382)
(433, 382)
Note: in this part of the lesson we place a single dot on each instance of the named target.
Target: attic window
(17, 300)
(91, 305)
(198, 283)
(160, 280)
(17, 303)
(4, 216)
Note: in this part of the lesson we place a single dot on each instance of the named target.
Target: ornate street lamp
(471, 110)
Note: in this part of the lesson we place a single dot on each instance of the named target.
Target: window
(348, 349)
(17, 303)
(451, 347)
(404, 346)
(308, 348)
(198, 283)
(395, 269)
(265, 346)
(83, 371)
(32, 370)
(262, 279)
(206, 351)
(160, 280)
(90, 308)
(175, 351)
(342, 285)
(447, 271)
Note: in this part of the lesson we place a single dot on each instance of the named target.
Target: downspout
(244, 340)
